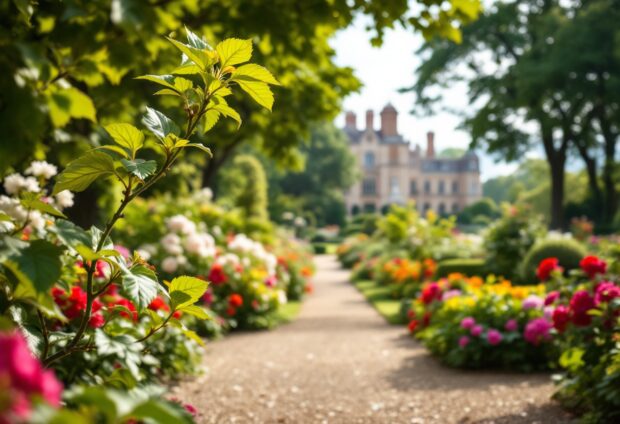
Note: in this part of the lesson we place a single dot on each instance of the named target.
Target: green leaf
(259, 91)
(229, 112)
(116, 149)
(140, 283)
(68, 103)
(160, 412)
(83, 171)
(196, 42)
(166, 92)
(139, 167)
(196, 311)
(159, 124)
(165, 80)
(33, 201)
(199, 57)
(192, 287)
(183, 84)
(233, 51)
(38, 264)
(127, 136)
(210, 119)
(201, 147)
(5, 217)
(192, 335)
(187, 69)
(70, 234)
(253, 72)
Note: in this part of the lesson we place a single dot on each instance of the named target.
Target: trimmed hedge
(568, 251)
(468, 267)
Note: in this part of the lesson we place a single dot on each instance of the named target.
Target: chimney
(369, 119)
(350, 120)
(430, 144)
(388, 121)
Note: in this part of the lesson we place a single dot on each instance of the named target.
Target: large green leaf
(127, 136)
(165, 80)
(233, 51)
(67, 103)
(259, 91)
(191, 288)
(229, 112)
(196, 311)
(38, 264)
(253, 72)
(210, 119)
(196, 42)
(200, 58)
(70, 234)
(83, 171)
(139, 167)
(33, 201)
(159, 124)
(140, 283)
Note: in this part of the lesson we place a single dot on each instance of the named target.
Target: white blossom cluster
(37, 174)
(244, 244)
(184, 238)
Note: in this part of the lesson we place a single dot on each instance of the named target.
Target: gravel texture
(340, 362)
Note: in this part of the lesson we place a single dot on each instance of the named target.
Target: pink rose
(511, 325)
(476, 330)
(463, 341)
(467, 323)
(494, 337)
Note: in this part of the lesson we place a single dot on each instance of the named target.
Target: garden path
(340, 362)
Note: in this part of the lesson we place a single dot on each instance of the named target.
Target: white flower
(144, 254)
(181, 224)
(169, 264)
(12, 208)
(64, 199)
(217, 231)
(40, 168)
(14, 183)
(181, 260)
(299, 222)
(36, 220)
(172, 244)
(282, 299)
(204, 196)
(288, 216)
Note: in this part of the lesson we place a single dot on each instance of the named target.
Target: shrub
(509, 239)
(568, 251)
(319, 248)
(468, 267)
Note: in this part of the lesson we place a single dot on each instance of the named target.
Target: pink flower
(467, 323)
(494, 337)
(552, 297)
(537, 331)
(532, 302)
(593, 265)
(125, 253)
(606, 292)
(271, 281)
(450, 294)
(50, 388)
(511, 325)
(476, 330)
(463, 341)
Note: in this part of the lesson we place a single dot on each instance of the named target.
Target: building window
(427, 187)
(370, 208)
(369, 186)
(393, 155)
(355, 210)
(441, 189)
(442, 209)
(413, 187)
(427, 206)
(473, 189)
(394, 187)
(369, 160)
(455, 187)
(455, 208)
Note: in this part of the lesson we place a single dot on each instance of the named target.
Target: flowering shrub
(472, 323)
(94, 312)
(404, 275)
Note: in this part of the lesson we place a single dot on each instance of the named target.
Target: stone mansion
(394, 172)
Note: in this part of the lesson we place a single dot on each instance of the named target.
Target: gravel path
(340, 362)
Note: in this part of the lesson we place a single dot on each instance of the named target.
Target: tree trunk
(593, 183)
(609, 168)
(556, 158)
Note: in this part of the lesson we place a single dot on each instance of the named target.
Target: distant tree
(452, 153)
(484, 207)
(244, 186)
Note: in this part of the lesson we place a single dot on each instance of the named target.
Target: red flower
(177, 314)
(159, 304)
(96, 321)
(235, 300)
(217, 275)
(426, 319)
(231, 312)
(580, 304)
(546, 267)
(431, 292)
(73, 304)
(129, 309)
(592, 265)
(561, 318)
(413, 324)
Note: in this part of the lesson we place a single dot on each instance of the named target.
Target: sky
(386, 69)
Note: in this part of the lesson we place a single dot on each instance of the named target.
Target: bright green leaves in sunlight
(185, 291)
(140, 283)
(67, 103)
(32, 201)
(127, 136)
(233, 51)
(139, 167)
(159, 124)
(37, 265)
(83, 171)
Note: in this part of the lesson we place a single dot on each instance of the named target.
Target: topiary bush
(568, 251)
(468, 267)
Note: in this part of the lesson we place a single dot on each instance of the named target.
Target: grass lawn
(380, 298)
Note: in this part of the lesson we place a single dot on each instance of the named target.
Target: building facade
(393, 171)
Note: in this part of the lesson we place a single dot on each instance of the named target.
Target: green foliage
(468, 267)
(568, 251)
(509, 239)
(485, 208)
(245, 186)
